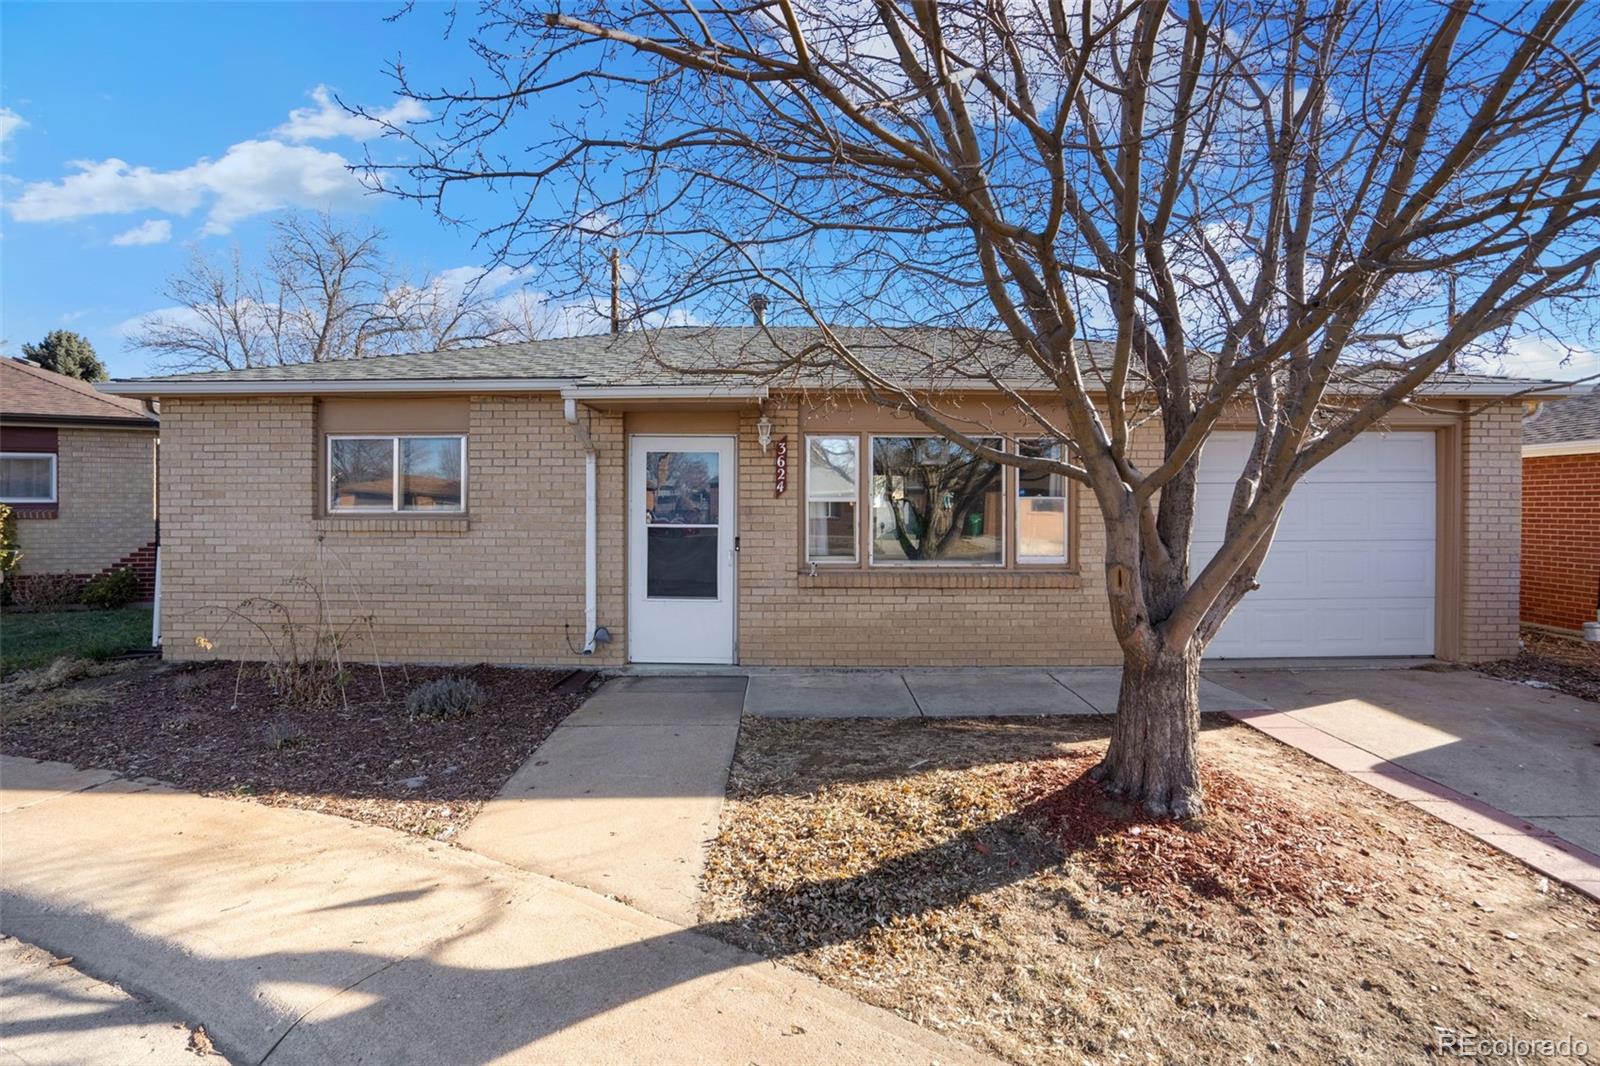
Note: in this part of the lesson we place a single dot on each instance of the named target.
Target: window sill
(34, 510)
(939, 579)
(381, 523)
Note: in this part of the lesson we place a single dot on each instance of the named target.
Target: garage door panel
(1338, 627)
(1404, 514)
(1223, 458)
(1351, 569)
(1385, 457)
(1404, 571)
(1334, 512)
(1342, 572)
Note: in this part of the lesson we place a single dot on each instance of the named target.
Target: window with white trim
(27, 477)
(935, 503)
(1041, 507)
(388, 474)
(833, 467)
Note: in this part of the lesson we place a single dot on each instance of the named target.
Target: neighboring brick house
(78, 469)
(1561, 513)
(523, 503)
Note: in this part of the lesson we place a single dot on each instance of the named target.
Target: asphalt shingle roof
(32, 392)
(1560, 421)
(705, 355)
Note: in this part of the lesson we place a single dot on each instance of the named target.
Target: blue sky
(195, 100)
(131, 132)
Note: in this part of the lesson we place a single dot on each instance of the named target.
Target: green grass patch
(28, 640)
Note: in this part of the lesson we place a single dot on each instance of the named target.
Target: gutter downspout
(590, 577)
(155, 613)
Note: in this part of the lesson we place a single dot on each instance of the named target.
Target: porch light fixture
(764, 432)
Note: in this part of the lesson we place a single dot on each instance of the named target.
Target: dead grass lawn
(917, 865)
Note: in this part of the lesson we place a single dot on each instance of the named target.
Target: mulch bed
(179, 724)
(1549, 660)
(965, 875)
(1253, 845)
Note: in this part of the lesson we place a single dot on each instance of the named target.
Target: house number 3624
(780, 472)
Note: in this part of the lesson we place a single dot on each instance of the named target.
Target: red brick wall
(1560, 539)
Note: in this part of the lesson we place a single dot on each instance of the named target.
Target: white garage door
(1351, 569)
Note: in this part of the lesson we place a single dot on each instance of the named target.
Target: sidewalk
(954, 692)
(299, 937)
(53, 1015)
(625, 795)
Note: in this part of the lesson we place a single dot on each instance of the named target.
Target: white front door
(681, 550)
(1351, 569)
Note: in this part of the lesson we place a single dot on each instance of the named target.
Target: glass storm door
(681, 559)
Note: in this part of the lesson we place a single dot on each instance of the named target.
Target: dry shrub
(307, 657)
(32, 693)
(43, 592)
(1253, 845)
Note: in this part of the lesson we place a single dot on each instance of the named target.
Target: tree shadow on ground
(462, 998)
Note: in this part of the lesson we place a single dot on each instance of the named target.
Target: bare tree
(1252, 207)
(327, 290)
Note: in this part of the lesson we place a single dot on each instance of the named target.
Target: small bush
(44, 592)
(10, 554)
(110, 591)
(445, 697)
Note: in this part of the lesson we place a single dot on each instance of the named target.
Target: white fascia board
(321, 388)
(1511, 390)
(1561, 447)
(664, 392)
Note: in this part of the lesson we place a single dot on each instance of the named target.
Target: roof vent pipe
(758, 308)
(616, 292)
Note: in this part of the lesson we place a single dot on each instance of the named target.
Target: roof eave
(17, 418)
(157, 387)
(665, 392)
(1562, 447)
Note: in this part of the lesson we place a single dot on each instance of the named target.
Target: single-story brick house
(1561, 513)
(514, 503)
(78, 469)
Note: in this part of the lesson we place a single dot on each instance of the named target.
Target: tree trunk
(1151, 759)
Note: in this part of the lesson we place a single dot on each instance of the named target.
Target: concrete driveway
(1532, 753)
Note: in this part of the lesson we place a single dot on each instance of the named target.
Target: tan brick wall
(105, 482)
(238, 482)
(239, 499)
(1491, 468)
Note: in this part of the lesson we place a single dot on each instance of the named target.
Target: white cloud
(458, 280)
(329, 120)
(250, 178)
(10, 123)
(1537, 357)
(155, 231)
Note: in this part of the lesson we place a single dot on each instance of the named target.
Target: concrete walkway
(1516, 766)
(952, 693)
(625, 795)
(299, 937)
(53, 1015)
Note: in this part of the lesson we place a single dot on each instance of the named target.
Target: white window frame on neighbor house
(54, 487)
(394, 507)
(936, 564)
(854, 499)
